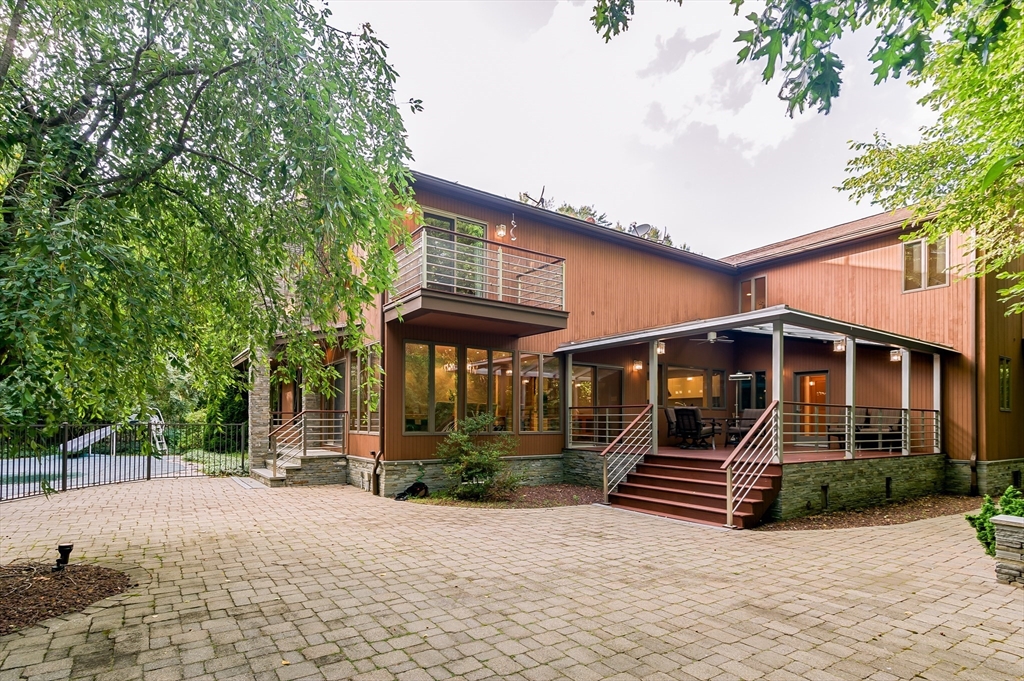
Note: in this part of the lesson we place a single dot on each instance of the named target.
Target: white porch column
(652, 391)
(777, 379)
(570, 395)
(905, 398)
(851, 396)
(937, 400)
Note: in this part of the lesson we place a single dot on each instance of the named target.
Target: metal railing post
(851, 432)
(423, 259)
(273, 451)
(149, 457)
(604, 460)
(905, 429)
(303, 434)
(728, 497)
(64, 457)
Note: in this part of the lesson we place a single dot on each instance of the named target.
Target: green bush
(474, 460)
(1011, 503)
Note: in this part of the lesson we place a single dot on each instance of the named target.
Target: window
(753, 294)
(1005, 384)
(443, 383)
(540, 404)
(925, 265)
(717, 389)
(455, 262)
(684, 387)
(364, 390)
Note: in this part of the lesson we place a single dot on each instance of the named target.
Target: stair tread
(702, 470)
(266, 473)
(673, 516)
(680, 504)
(708, 495)
(717, 483)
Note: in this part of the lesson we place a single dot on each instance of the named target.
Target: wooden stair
(690, 486)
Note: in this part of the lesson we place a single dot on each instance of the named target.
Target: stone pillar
(310, 400)
(1009, 549)
(259, 411)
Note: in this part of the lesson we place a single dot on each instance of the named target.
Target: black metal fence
(39, 460)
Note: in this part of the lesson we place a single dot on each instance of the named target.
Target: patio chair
(861, 420)
(737, 428)
(880, 433)
(673, 423)
(693, 429)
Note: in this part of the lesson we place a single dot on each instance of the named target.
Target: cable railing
(309, 429)
(599, 426)
(627, 449)
(440, 260)
(753, 455)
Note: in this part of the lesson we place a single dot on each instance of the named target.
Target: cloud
(674, 52)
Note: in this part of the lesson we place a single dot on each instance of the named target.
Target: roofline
(556, 219)
(796, 251)
(782, 313)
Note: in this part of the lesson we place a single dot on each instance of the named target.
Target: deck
(792, 453)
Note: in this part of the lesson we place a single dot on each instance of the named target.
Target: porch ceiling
(796, 324)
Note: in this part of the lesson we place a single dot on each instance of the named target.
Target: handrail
(428, 228)
(618, 437)
(284, 424)
(767, 413)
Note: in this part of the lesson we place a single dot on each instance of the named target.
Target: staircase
(703, 486)
(308, 445)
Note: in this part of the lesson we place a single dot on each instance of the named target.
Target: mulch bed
(892, 514)
(542, 496)
(31, 592)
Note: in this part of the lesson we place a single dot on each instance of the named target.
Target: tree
(968, 169)
(180, 181)
(798, 37)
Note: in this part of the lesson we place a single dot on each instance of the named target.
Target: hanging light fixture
(638, 365)
(839, 345)
(661, 347)
(895, 356)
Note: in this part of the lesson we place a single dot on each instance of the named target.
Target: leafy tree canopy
(181, 180)
(797, 37)
(968, 169)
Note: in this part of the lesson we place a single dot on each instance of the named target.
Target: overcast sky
(660, 125)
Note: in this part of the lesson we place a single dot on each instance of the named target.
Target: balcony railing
(599, 426)
(808, 425)
(440, 260)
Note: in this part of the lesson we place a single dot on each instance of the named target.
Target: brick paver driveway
(332, 583)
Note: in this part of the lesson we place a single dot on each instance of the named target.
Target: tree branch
(220, 159)
(12, 34)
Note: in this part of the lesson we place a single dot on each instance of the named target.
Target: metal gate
(39, 459)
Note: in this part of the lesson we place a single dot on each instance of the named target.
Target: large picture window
(925, 265)
(540, 403)
(364, 390)
(684, 387)
(443, 383)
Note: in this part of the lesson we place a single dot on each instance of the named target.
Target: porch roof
(796, 324)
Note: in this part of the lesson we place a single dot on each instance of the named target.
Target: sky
(658, 126)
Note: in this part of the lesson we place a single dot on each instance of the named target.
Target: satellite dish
(642, 230)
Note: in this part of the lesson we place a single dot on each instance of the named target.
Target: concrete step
(266, 477)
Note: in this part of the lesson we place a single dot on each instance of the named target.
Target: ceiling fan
(713, 337)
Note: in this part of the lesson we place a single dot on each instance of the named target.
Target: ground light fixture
(64, 551)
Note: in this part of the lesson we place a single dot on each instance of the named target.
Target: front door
(811, 407)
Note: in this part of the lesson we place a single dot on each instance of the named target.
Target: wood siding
(1002, 432)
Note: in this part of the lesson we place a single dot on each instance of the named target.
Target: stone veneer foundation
(993, 476)
(809, 488)
(534, 470)
(1009, 549)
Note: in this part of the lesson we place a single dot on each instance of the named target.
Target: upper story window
(364, 390)
(1005, 384)
(753, 294)
(457, 225)
(925, 265)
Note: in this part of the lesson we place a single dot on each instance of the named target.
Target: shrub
(475, 462)
(1011, 503)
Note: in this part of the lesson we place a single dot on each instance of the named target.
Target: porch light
(895, 356)
(661, 347)
(500, 231)
(638, 365)
(839, 345)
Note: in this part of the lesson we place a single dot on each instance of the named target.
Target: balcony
(452, 280)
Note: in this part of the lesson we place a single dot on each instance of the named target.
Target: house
(866, 368)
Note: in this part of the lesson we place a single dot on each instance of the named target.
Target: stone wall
(359, 471)
(534, 470)
(583, 467)
(856, 483)
(958, 476)
(318, 469)
(1009, 549)
(995, 476)
(259, 411)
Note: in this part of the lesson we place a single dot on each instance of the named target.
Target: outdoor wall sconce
(500, 231)
(839, 345)
(64, 551)
(895, 356)
(661, 347)
(638, 365)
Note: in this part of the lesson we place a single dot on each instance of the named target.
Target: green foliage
(966, 175)
(181, 181)
(797, 38)
(1011, 503)
(231, 406)
(474, 460)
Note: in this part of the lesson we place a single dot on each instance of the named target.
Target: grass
(216, 463)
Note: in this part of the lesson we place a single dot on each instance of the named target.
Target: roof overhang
(796, 324)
